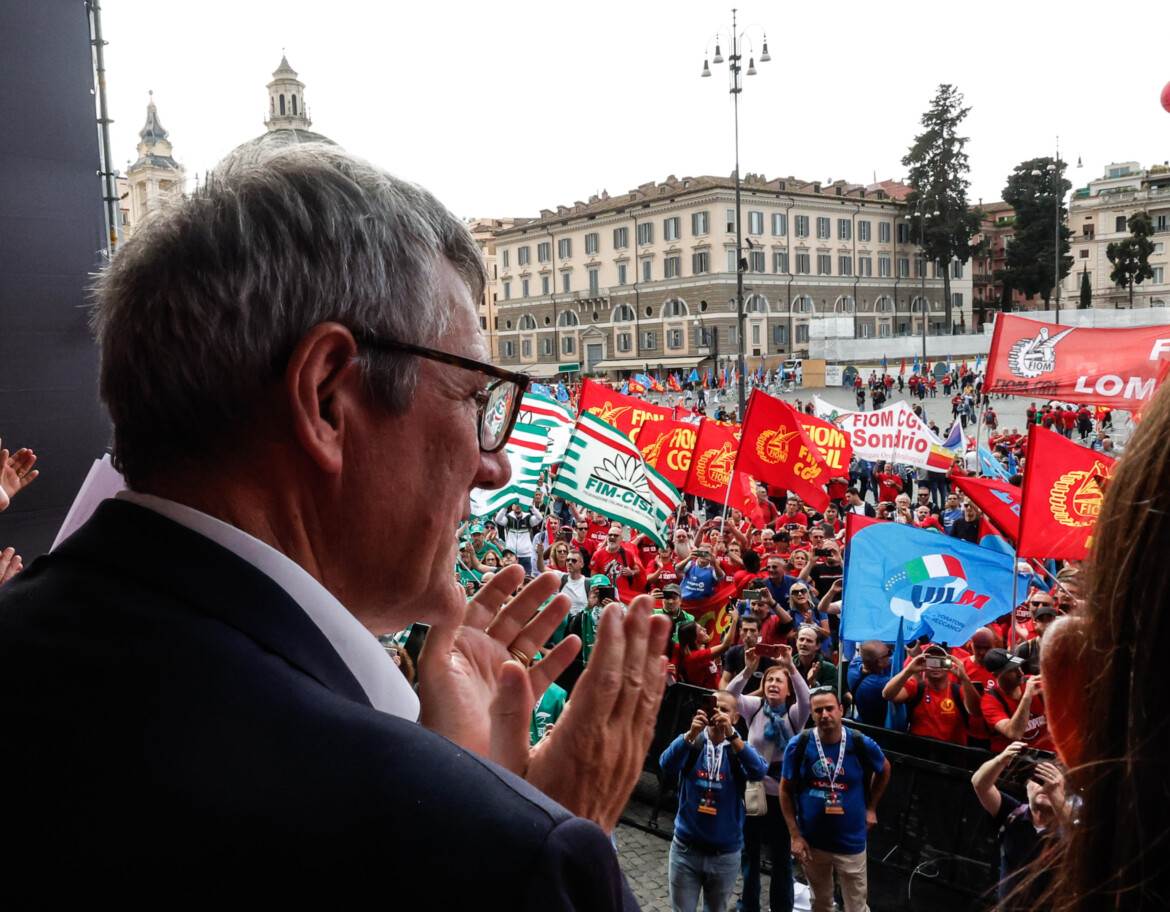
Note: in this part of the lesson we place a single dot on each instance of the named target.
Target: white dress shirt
(359, 649)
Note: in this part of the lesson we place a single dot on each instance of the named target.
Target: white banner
(892, 434)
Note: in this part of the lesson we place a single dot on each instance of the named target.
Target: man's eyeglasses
(498, 403)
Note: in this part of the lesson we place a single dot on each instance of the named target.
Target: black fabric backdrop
(49, 163)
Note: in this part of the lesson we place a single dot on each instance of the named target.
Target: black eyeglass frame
(501, 375)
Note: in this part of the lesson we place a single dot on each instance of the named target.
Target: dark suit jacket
(172, 719)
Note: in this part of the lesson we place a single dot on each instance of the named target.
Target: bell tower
(156, 172)
(286, 100)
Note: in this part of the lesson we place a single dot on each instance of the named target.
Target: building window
(566, 281)
(824, 224)
(957, 299)
(904, 267)
(647, 266)
(780, 261)
(883, 330)
(523, 288)
(568, 345)
(919, 268)
(567, 318)
(623, 342)
(544, 285)
(646, 233)
(672, 267)
(650, 339)
(621, 238)
(757, 261)
(802, 226)
(522, 255)
(1118, 227)
(504, 255)
(801, 333)
(507, 291)
(884, 304)
(844, 231)
(565, 248)
(883, 232)
(824, 264)
(957, 268)
(1159, 275)
(527, 323)
(675, 307)
(864, 231)
(546, 346)
(1161, 222)
(592, 243)
(865, 266)
(671, 229)
(542, 251)
(700, 262)
(845, 265)
(732, 265)
(526, 348)
(508, 349)
(621, 271)
(594, 282)
(884, 267)
(730, 221)
(779, 224)
(674, 338)
(755, 222)
(903, 233)
(780, 334)
(700, 223)
(1084, 254)
(732, 337)
(803, 265)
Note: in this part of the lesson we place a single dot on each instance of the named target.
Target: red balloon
(1166, 96)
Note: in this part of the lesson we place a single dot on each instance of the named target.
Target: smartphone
(753, 595)
(1023, 765)
(606, 592)
(791, 526)
(939, 662)
(822, 552)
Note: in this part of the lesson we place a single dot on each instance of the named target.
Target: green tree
(1037, 196)
(1086, 291)
(1131, 257)
(938, 173)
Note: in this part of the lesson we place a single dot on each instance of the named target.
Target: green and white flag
(548, 413)
(525, 450)
(604, 471)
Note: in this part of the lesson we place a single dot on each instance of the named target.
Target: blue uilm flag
(540, 389)
(929, 583)
(991, 466)
(694, 377)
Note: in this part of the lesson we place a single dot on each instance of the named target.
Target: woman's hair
(492, 554)
(1115, 857)
(789, 698)
(688, 637)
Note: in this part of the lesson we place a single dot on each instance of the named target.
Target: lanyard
(714, 761)
(836, 770)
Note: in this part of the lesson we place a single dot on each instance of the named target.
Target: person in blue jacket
(713, 764)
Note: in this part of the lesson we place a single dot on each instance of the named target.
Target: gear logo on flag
(714, 466)
(652, 452)
(772, 446)
(1031, 357)
(609, 412)
(1076, 496)
(936, 579)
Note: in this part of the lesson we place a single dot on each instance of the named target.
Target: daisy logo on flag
(935, 579)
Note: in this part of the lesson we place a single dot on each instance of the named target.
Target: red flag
(832, 442)
(1000, 501)
(713, 461)
(667, 447)
(1063, 490)
(902, 371)
(1113, 367)
(672, 382)
(776, 449)
(625, 413)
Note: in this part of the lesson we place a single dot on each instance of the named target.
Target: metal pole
(110, 185)
(739, 314)
(1056, 194)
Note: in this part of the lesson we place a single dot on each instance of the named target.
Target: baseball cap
(1044, 611)
(998, 660)
(672, 589)
(599, 579)
(476, 529)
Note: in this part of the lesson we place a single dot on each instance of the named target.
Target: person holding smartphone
(939, 705)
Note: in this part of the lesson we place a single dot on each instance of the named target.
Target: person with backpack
(938, 705)
(833, 778)
(713, 764)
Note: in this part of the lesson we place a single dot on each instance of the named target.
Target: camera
(822, 552)
(939, 662)
(1023, 765)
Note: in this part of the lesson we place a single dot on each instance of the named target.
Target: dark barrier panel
(49, 161)
(933, 847)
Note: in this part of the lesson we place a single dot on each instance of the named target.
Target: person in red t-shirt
(939, 706)
(598, 529)
(889, 483)
(620, 563)
(1014, 708)
(646, 548)
(792, 515)
(697, 662)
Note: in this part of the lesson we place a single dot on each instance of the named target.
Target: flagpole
(1015, 590)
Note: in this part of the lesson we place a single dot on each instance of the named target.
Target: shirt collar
(365, 657)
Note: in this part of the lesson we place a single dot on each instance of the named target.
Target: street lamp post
(735, 67)
(1053, 170)
(922, 212)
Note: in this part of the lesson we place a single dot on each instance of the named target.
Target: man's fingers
(550, 667)
(510, 711)
(482, 608)
(602, 678)
(636, 628)
(516, 615)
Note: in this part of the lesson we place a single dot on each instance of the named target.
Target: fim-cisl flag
(525, 450)
(556, 418)
(604, 471)
(928, 584)
(776, 449)
(1063, 490)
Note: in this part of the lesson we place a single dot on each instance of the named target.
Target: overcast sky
(506, 108)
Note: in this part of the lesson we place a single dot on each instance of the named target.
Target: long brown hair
(1114, 857)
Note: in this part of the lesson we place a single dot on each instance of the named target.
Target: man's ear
(1062, 665)
(324, 392)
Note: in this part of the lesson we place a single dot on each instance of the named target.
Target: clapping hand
(16, 473)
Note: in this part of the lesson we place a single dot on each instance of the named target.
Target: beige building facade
(647, 279)
(1098, 216)
(155, 173)
(483, 230)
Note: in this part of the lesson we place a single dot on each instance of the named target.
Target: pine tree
(1086, 291)
(938, 173)
(1028, 265)
(1131, 257)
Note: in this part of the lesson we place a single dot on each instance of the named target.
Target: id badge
(833, 804)
(707, 803)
